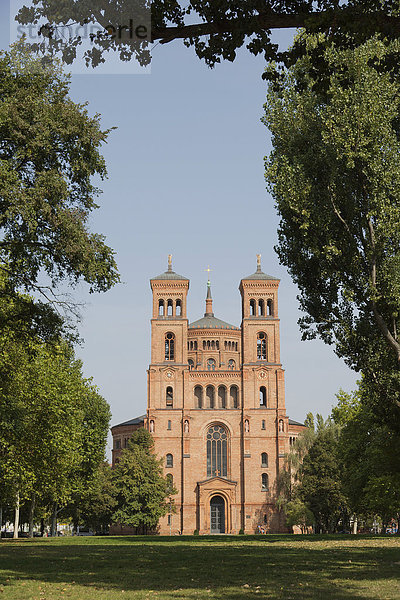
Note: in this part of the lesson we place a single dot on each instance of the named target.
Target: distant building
(216, 408)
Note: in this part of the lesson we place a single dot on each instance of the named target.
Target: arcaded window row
(262, 347)
(261, 308)
(170, 308)
(212, 397)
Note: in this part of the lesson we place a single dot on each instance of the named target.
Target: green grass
(212, 567)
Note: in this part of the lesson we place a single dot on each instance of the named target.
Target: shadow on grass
(294, 569)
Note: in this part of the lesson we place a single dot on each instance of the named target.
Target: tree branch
(271, 21)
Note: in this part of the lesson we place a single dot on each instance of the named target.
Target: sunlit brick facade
(216, 407)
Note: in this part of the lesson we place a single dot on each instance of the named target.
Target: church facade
(216, 408)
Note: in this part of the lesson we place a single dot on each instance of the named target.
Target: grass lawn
(222, 567)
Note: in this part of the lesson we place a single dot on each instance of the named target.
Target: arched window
(169, 308)
(198, 395)
(260, 308)
(234, 396)
(169, 396)
(222, 396)
(264, 482)
(217, 344)
(169, 460)
(170, 482)
(252, 308)
(211, 364)
(208, 345)
(270, 308)
(161, 308)
(231, 365)
(191, 364)
(246, 425)
(178, 310)
(261, 346)
(226, 344)
(213, 345)
(210, 396)
(117, 444)
(263, 424)
(169, 425)
(195, 345)
(217, 451)
(186, 426)
(263, 396)
(169, 346)
(204, 344)
(264, 460)
(236, 346)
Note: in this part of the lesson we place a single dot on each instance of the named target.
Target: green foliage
(297, 513)
(53, 422)
(320, 485)
(94, 506)
(216, 30)
(48, 157)
(141, 489)
(335, 175)
(369, 454)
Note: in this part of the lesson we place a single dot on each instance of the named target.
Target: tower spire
(209, 310)
(169, 262)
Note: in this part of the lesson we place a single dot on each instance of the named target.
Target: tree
(297, 513)
(335, 175)
(53, 429)
(215, 30)
(49, 153)
(369, 454)
(94, 505)
(320, 485)
(141, 489)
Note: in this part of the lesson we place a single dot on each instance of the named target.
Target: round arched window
(169, 346)
(261, 346)
(217, 451)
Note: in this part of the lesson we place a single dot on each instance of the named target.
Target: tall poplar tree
(334, 173)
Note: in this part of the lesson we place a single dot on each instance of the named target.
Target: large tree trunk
(53, 528)
(16, 517)
(32, 514)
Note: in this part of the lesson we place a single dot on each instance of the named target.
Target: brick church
(216, 408)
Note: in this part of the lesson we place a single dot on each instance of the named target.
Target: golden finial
(258, 262)
(169, 262)
(208, 270)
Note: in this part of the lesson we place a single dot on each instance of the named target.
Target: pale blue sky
(186, 177)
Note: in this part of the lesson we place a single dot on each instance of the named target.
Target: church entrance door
(217, 514)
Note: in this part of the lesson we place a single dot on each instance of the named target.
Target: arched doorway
(217, 515)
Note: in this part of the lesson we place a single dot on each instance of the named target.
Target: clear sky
(186, 177)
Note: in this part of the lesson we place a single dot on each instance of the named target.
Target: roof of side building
(135, 421)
